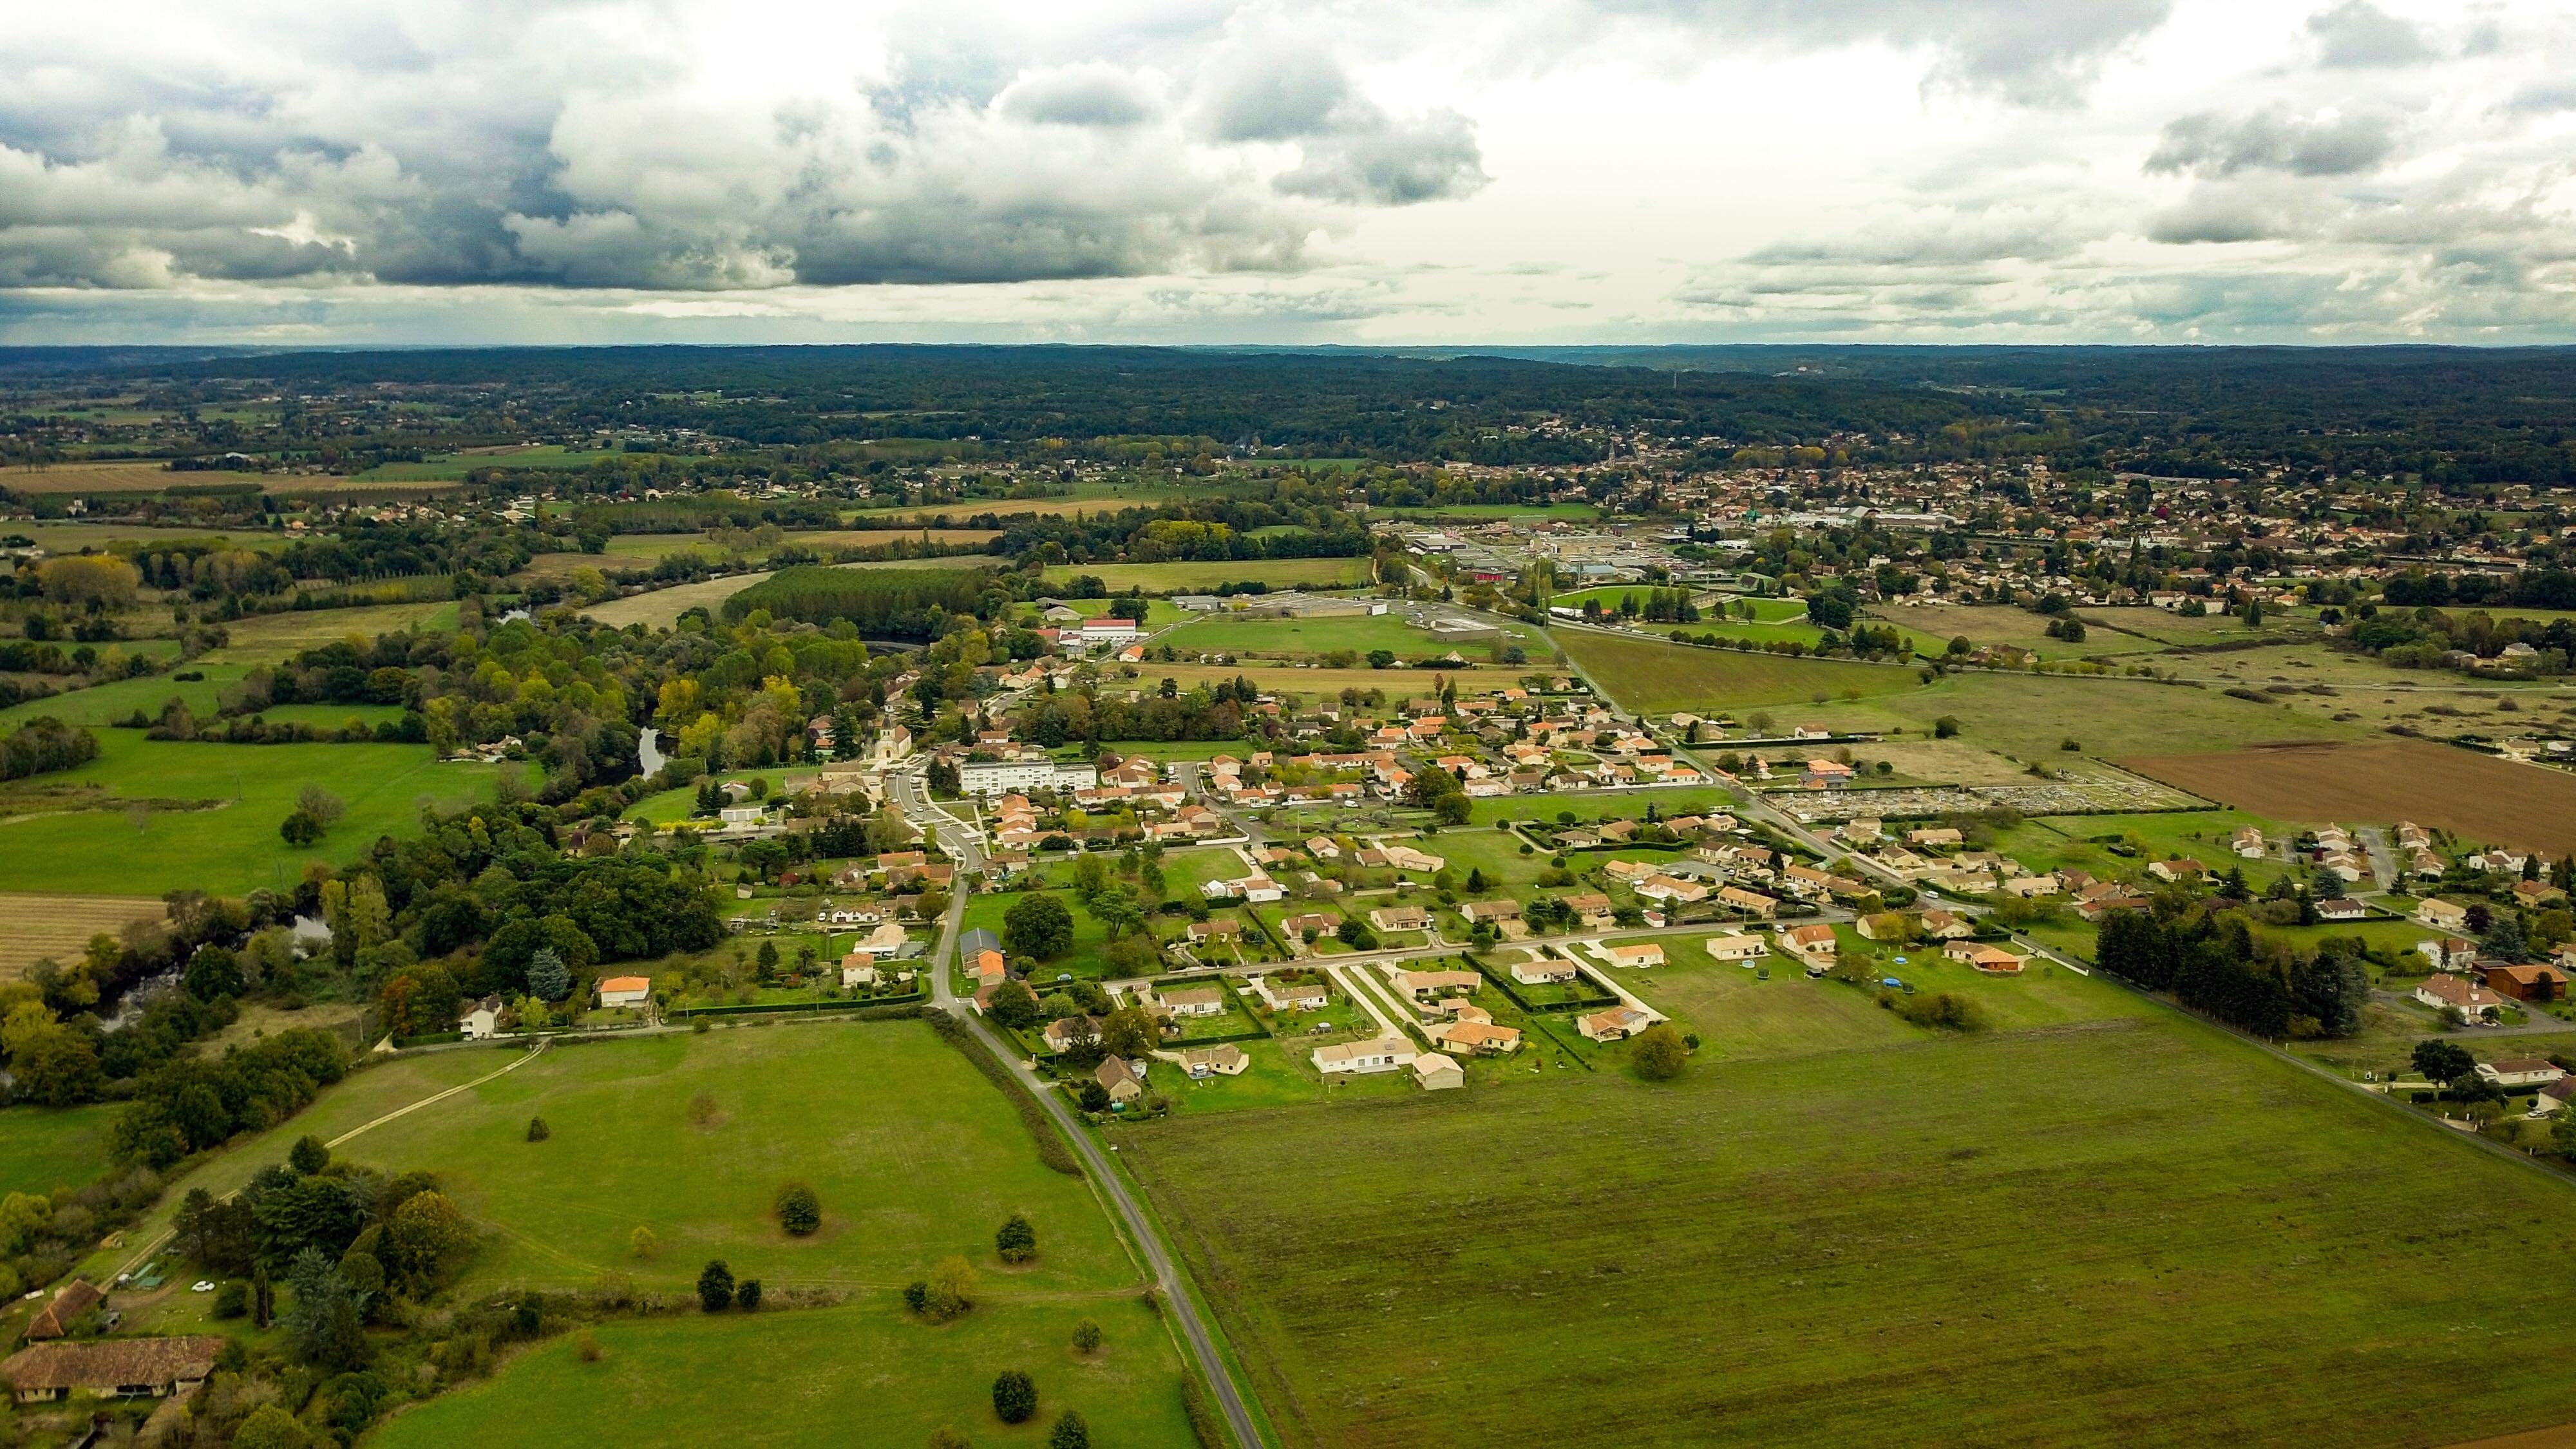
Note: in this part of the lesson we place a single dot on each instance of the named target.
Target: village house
(1812, 943)
(1671, 889)
(1476, 1038)
(1123, 1080)
(1635, 957)
(1225, 1059)
(2341, 908)
(2448, 953)
(1400, 918)
(2441, 992)
(1738, 947)
(1281, 995)
(482, 1020)
(1476, 911)
(1539, 971)
(2178, 870)
(1068, 1032)
(1227, 929)
(1590, 909)
(1433, 1072)
(1615, 1024)
(1993, 960)
(1423, 986)
(1190, 1001)
(2442, 915)
(1358, 1058)
(625, 990)
(1752, 903)
(2520, 1074)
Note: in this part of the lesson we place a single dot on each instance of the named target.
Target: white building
(1385, 1054)
(1006, 777)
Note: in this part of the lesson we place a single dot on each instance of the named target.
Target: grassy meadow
(914, 1156)
(1359, 635)
(2121, 1228)
(858, 1374)
(43, 1148)
(1653, 677)
(1187, 578)
(149, 816)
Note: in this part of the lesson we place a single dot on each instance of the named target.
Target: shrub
(916, 1295)
(308, 1156)
(1087, 1336)
(233, 1300)
(1945, 1010)
(1204, 1423)
(643, 1244)
(538, 1131)
(800, 1212)
(1015, 1397)
(715, 1287)
(747, 1297)
(944, 1438)
(702, 1109)
(588, 1346)
(951, 1290)
(1016, 1241)
(1661, 1053)
(1069, 1433)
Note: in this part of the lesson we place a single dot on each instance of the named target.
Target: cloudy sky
(1394, 171)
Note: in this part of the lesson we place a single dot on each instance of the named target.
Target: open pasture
(43, 1148)
(1654, 677)
(1195, 577)
(269, 638)
(862, 1373)
(149, 816)
(1876, 1246)
(2477, 797)
(35, 927)
(915, 1158)
(2003, 625)
(1358, 634)
(2029, 717)
(104, 704)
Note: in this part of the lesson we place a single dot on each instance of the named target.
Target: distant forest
(2456, 416)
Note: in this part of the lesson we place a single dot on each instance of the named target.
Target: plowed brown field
(2478, 797)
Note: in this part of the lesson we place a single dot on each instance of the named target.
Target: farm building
(119, 1368)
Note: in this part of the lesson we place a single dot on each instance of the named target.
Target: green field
(43, 1148)
(269, 638)
(1653, 677)
(2065, 842)
(1359, 635)
(626, 1153)
(1576, 512)
(149, 816)
(1189, 578)
(2030, 716)
(105, 704)
(860, 1374)
(985, 910)
(915, 1158)
(2119, 1230)
(2004, 625)
(453, 466)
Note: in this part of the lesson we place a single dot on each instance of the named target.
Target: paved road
(966, 850)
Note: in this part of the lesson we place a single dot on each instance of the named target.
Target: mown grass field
(104, 704)
(2067, 842)
(1653, 677)
(73, 537)
(914, 1155)
(453, 466)
(2002, 625)
(1187, 578)
(1315, 684)
(1360, 635)
(661, 608)
(859, 1374)
(43, 1148)
(34, 927)
(2119, 1231)
(2029, 717)
(149, 816)
(269, 638)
